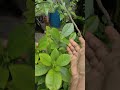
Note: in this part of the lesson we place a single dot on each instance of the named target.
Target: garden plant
(52, 61)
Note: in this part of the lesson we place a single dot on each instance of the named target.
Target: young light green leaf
(62, 49)
(68, 29)
(55, 54)
(65, 74)
(48, 28)
(43, 43)
(45, 59)
(57, 68)
(55, 34)
(65, 41)
(41, 69)
(63, 60)
(53, 80)
(73, 36)
(54, 45)
(4, 75)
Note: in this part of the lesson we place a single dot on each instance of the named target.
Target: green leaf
(43, 8)
(53, 80)
(62, 49)
(67, 29)
(43, 43)
(36, 58)
(55, 54)
(92, 24)
(45, 59)
(63, 60)
(54, 45)
(73, 36)
(65, 41)
(22, 76)
(57, 68)
(4, 75)
(41, 69)
(55, 34)
(66, 76)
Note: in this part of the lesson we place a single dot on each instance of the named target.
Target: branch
(72, 20)
(104, 12)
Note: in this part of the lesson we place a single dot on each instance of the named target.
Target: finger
(72, 52)
(112, 34)
(81, 65)
(69, 51)
(95, 44)
(71, 47)
(91, 56)
(75, 45)
(82, 41)
(74, 69)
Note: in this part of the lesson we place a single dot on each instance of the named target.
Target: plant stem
(73, 22)
(71, 19)
(104, 12)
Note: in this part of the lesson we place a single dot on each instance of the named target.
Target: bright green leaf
(45, 59)
(65, 41)
(41, 69)
(53, 80)
(66, 76)
(68, 29)
(43, 43)
(55, 34)
(73, 36)
(57, 68)
(54, 45)
(63, 60)
(55, 54)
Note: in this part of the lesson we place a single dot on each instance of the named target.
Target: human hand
(77, 64)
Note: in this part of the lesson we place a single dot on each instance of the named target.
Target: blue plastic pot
(54, 19)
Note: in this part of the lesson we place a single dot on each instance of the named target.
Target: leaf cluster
(52, 62)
